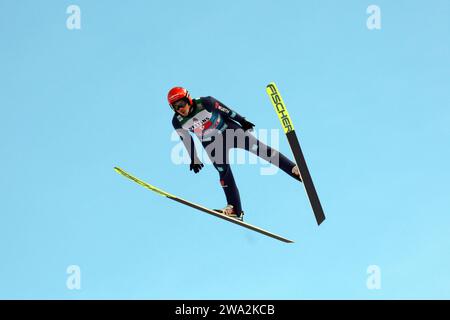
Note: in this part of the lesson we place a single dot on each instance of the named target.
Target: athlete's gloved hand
(247, 125)
(196, 166)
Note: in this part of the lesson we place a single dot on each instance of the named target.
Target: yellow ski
(199, 207)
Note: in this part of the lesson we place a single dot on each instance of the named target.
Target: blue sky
(371, 109)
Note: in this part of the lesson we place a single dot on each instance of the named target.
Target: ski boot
(296, 172)
(230, 212)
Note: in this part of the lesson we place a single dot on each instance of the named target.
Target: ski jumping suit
(212, 122)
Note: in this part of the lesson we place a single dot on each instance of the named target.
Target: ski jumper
(218, 128)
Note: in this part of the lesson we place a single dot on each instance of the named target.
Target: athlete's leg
(229, 186)
(267, 153)
(218, 153)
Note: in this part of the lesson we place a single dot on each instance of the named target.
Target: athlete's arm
(188, 144)
(228, 113)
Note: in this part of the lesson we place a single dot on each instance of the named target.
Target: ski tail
(288, 127)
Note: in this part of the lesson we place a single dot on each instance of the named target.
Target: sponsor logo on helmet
(176, 97)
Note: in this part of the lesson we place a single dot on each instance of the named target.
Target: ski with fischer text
(288, 127)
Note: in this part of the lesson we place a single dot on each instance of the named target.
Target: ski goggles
(179, 104)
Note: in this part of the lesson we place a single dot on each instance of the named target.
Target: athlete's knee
(223, 171)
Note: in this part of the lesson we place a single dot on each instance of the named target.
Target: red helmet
(178, 93)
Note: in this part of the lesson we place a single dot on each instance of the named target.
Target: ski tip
(120, 171)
